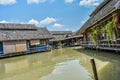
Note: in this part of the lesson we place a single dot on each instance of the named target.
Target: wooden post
(94, 69)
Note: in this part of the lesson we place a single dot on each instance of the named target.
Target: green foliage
(59, 44)
(110, 29)
(59, 37)
(94, 35)
(94, 38)
(96, 32)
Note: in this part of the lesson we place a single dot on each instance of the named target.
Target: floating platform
(3, 56)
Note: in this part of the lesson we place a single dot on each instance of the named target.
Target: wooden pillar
(94, 69)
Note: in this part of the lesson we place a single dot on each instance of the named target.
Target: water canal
(61, 64)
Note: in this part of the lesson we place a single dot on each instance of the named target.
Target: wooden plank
(21, 48)
(14, 46)
(34, 42)
(9, 47)
(108, 48)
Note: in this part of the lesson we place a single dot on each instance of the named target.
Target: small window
(42, 42)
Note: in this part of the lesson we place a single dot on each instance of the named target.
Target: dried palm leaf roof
(61, 32)
(10, 31)
(104, 9)
(13, 26)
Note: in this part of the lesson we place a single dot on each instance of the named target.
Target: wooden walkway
(99, 47)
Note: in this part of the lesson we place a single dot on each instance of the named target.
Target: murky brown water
(61, 64)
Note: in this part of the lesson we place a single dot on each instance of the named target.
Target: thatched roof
(69, 37)
(74, 36)
(99, 7)
(11, 26)
(22, 32)
(64, 35)
(60, 35)
(104, 9)
(61, 32)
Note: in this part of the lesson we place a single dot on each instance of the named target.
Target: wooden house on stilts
(102, 29)
(66, 38)
(16, 38)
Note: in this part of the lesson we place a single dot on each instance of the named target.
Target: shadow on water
(102, 55)
(108, 63)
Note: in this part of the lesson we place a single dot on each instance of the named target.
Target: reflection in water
(69, 70)
(11, 67)
(61, 64)
(107, 64)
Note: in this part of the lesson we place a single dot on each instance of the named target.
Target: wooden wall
(21, 46)
(18, 46)
(34, 42)
(14, 46)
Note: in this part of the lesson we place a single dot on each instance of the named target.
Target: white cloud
(4, 21)
(69, 1)
(56, 25)
(35, 1)
(89, 3)
(33, 21)
(48, 20)
(7, 2)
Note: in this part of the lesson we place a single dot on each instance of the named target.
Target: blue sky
(53, 14)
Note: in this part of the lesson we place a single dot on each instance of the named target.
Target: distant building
(60, 35)
(66, 38)
(22, 37)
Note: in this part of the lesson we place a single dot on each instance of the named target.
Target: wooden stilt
(94, 69)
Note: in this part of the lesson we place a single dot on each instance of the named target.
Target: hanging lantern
(116, 20)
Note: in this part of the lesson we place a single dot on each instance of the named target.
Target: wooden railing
(104, 44)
